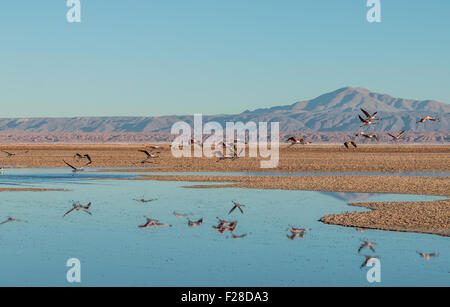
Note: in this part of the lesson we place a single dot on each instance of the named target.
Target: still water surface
(114, 252)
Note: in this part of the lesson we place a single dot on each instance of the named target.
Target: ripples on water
(113, 251)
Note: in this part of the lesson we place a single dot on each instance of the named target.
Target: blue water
(114, 252)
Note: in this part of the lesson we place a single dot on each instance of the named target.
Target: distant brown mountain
(338, 111)
(332, 112)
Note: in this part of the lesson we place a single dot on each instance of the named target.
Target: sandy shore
(309, 158)
(420, 217)
(438, 186)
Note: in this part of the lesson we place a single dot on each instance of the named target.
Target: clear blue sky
(146, 57)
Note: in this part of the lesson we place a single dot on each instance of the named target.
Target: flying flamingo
(366, 122)
(153, 223)
(81, 157)
(235, 237)
(9, 154)
(367, 260)
(348, 143)
(74, 168)
(11, 220)
(428, 118)
(369, 136)
(142, 200)
(196, 223)
(295, 141)
(367, 244)
(78, 207)
(369, 116)
(427, 256)
(397, 136)
(180, 215)
(238, 206)
(294, 235)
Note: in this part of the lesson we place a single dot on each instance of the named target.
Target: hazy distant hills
(338, 110)
(332, 112)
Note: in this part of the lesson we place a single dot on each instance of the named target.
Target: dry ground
(307, 158)
(422, 217)
(437, 186)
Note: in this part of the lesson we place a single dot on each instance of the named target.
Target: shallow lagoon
(114, 252)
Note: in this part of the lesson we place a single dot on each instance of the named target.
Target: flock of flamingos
(226, 225)
(367, 121)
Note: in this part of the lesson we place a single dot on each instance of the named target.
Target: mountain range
(336, 111)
